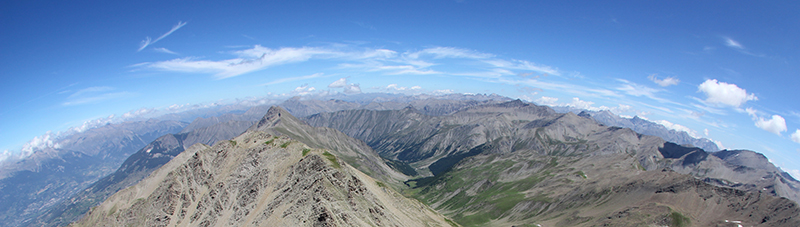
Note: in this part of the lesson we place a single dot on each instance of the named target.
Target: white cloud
(164, 50)
(403, 69)
(340, 83)
(349, 88)
(732, 43)
(138, 113)
(38, 143)
(146, 42)
(705, 131)
(719, 144)
(283, 80)
(582, 104)
(775, 125)
(449, 52)
(522, 65)
(796, 137)
(442, 92)
(250, 60)
(724, 93)
(90, 124)
(176, 107)
(680, 128)
(352, 89)
(304, 90)
(638, 90)
(751, 111)
(665, 82)
(5, 155)
(394, 87)
(549, 101)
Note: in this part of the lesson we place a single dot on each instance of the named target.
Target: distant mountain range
(476, 159)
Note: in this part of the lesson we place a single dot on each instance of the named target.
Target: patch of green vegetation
(678, 220)
(580, 173)
(284, 145)
(640, 167)
(113, 210)
(233, 142)
(305, 151)
(269, 141)
(493, 199)
(553, 162)
(451, 222)
(331, 158)
(380, 184)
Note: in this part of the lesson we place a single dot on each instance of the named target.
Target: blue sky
(723, 70)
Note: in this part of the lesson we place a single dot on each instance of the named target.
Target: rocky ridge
(258, 179)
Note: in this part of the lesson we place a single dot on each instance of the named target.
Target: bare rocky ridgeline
(258, 179)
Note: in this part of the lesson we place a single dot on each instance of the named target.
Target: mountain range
(477, 160)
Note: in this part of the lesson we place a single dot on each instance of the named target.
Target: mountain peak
(274, 116)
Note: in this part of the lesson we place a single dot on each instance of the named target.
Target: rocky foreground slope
(258, 179)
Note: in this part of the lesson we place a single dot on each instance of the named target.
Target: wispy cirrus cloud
(449, 52)
(245, 63)
(635, 89)
(522, 65)
(384, 61)
(739, 47)
(94, 95)
(288, 79)
(733, 43)
(147, 41)
(165, 50)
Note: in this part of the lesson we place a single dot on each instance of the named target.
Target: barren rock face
(259, 180)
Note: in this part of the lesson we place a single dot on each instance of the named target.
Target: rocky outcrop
(258, 179)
